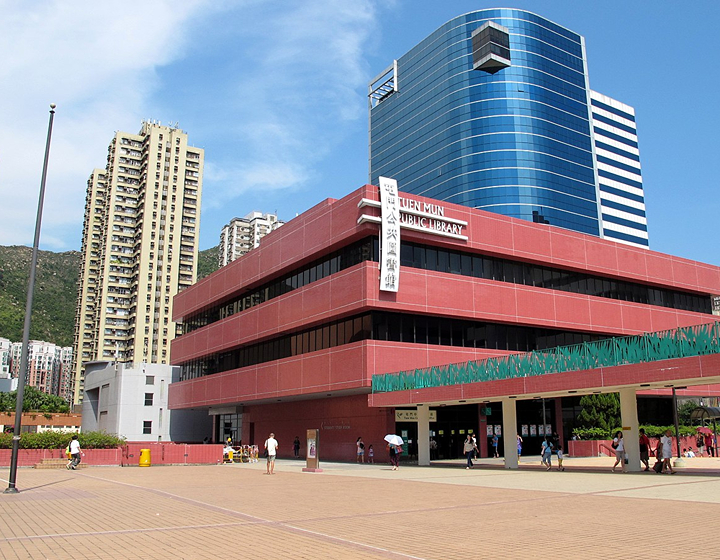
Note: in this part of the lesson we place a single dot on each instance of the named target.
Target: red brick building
(288, 337)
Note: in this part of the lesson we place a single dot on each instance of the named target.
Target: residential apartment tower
(243, 234)
(139, 248)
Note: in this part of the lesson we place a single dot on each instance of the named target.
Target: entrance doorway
(229, 426)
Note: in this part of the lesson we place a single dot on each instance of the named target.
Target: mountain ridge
(56, 289)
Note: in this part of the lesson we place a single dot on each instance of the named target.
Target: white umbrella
(392, 439)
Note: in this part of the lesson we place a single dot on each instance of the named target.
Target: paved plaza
(360, 511)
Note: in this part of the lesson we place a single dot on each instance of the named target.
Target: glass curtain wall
(516, 142)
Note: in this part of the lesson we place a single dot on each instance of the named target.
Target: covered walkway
(678, 358)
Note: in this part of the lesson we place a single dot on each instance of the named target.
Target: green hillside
(207, 262)
(53, 317)
(56, 288)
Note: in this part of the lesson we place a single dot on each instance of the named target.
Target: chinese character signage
(390, 236)
(412, 415)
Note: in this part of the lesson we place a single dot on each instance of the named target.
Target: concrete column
(482, 432)
(559, 421)
(423, 412)
(509, 430)
(631, 435)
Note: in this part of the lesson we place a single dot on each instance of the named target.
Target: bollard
(145, 458)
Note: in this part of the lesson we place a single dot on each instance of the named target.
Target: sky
(276, 94)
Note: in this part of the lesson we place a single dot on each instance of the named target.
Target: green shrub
(99, 440)
(591, 433)
(650, 431)
(54, 439)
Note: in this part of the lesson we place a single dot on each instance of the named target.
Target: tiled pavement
(358, 511)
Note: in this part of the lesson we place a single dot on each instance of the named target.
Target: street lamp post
(11, 489)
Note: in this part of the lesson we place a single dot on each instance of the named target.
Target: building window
(391, 327)
(147, 427)
(149, 380)
(148, 399)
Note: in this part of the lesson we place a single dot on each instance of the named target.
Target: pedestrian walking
(433, 449)
(75, 453)
(619, 446)
(644, 449)
(666, 441)
(710, 445)
(547, 452)
(519, 445)
(658, 466)
(296, 447)
(371, 454)
(394, 452)
(495, 442)
(560, 458)
(360, 450)
(469, 448)
(271, 447)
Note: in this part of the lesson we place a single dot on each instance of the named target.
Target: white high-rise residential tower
(243, 234)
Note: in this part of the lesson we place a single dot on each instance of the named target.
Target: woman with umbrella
(394, 447)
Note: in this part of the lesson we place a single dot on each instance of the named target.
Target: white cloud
(97, 61)
(268, 88)
(302, 85)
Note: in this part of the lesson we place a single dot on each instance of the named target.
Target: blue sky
(275, 92)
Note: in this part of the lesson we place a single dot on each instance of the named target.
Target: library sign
(396, 213)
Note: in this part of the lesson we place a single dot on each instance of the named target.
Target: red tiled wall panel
(457, 296)
(340, 295)
(334, 369)
(333, 223)
(341, 421)
(325, 227)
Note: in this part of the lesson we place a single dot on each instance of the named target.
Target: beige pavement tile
(348, 511)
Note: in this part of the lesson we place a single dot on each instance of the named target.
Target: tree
(600, 411)
(33, 401)
(684, 411)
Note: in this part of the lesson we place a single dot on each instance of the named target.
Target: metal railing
(682, 342)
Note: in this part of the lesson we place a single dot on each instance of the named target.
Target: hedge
(650, 431)
(54, 439)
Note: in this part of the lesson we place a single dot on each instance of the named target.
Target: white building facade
(131, 401)
(617, 158)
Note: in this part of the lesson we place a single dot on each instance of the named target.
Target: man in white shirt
(75, 452)
(271, 446)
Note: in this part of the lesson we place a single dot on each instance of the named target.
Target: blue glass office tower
(494, 111)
